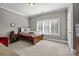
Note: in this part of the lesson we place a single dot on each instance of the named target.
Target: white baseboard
(58, 40)
(73, 51)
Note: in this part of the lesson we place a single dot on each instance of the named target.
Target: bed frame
(34, 39)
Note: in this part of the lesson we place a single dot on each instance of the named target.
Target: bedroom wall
(75, 21)
(7, 17)
(61, 14)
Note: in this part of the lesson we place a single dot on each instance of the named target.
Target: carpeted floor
(42, 48)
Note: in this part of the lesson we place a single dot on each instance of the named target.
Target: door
(69, 28)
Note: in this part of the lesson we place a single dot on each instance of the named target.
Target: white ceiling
(26, 10)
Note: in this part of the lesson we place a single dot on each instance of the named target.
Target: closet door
(70, 27)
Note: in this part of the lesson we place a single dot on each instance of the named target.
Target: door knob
(69, 32)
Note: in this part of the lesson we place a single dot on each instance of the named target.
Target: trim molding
(48, 13)
(56, 40)
(12, 11)
(73, 51)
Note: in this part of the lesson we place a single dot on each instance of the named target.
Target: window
(40, 26)
(55, 27)
(49, 26)
(46, 27)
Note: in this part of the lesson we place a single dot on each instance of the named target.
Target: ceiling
(26, 10)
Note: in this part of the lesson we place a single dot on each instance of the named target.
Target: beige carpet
(42, 48)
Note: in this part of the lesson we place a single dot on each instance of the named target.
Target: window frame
(55, 34)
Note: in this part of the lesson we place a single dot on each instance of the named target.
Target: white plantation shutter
(49, 26)
(40, 26)
(46, 26)
(55, 26)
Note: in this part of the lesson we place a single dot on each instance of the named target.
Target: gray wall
(76, 21)
(76, 12)
(61, 14)
(7, 17)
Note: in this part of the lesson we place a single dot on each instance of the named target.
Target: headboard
(24, 29)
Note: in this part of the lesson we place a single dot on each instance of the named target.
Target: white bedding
(28, 31)
(31, 33)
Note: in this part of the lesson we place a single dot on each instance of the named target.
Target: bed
(33, 36)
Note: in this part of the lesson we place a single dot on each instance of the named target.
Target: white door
(69, 28)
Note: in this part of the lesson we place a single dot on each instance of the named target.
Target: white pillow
(27, 29)
(22, 29)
